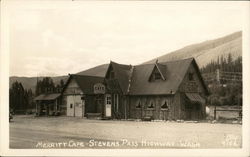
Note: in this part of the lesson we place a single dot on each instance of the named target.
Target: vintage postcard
(122, 78)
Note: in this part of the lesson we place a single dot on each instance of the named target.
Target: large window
(116, 102)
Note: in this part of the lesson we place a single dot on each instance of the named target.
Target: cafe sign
(99, 88)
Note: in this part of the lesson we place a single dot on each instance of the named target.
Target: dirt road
(69, 132)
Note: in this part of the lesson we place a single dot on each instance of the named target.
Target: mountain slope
(30, 82)
(203, 52)
(207, 51)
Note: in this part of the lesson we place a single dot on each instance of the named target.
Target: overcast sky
(48, 39)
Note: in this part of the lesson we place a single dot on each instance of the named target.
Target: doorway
(108, 105)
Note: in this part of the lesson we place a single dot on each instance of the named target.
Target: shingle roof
(122, 74)
(52, 96)
(86, 83)
(174, 74)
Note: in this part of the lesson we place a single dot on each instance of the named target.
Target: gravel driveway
(70, 132)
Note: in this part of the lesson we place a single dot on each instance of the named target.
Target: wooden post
(56, 107)
(125, 107)
(214, 112)
(36, 108)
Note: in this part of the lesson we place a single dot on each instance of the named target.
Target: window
(108, 100)
(151, 105)
(191, 76)
(157, 76)
(138, 104)
(116, 102)
(164, 106)
(71, 105)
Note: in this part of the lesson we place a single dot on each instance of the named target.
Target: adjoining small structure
(48, 104)
(83, 96)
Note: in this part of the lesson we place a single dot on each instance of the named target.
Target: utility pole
(218, 76)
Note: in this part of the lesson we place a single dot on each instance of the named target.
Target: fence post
(214, 112)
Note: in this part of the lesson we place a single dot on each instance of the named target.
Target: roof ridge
(85, 75)
(119, 63)
(167, 61)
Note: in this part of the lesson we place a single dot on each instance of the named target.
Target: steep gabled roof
(134, 80)
(122, 74)
(86, 83)
(174, 74)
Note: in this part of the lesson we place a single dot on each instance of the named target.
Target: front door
(108, 105)
(75, 106)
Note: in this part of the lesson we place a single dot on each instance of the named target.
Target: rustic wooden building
(167, 91)
(83, 96)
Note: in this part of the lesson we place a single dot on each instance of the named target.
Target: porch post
(36, 108)
(55, 106)
(125, 108)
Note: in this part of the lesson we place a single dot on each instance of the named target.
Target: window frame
(139, 103)
(157, 76)
(191, 76)
(151, 108)
(108, 100)
(167, 104)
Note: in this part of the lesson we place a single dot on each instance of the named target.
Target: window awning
(195, 98)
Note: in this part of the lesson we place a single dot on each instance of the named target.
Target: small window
(71, 105)
(138, 105)
(164, 106)
(191, 76)
(108, 100)
(151, 105)
(157, 76)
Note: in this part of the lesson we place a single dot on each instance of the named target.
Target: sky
(60, 38)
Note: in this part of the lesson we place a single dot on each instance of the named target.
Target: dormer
(158, 72)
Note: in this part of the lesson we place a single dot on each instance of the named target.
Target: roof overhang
(195, 98)
(47, 97)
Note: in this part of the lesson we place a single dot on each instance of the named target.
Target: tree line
(225, 92)
(226, 64)
(22, 100)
